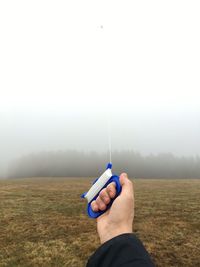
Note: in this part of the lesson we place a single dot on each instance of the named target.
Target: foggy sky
(66, 67)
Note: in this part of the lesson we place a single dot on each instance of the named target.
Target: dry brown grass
(43, 222)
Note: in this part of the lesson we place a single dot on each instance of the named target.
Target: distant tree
(73, 163)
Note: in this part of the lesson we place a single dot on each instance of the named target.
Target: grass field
(43, 222)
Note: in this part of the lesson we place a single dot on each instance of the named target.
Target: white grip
(96, 188)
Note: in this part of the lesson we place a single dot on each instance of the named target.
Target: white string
(109, 139)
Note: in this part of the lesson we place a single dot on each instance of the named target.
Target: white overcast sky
(66, 65)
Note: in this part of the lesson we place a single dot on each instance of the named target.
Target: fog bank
(92, 164)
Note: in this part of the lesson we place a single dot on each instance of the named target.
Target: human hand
(119, 218)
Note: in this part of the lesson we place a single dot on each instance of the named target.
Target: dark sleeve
(125, 250)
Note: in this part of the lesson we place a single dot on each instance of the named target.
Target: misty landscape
(83, 83)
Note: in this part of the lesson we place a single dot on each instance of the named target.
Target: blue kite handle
(93, 214)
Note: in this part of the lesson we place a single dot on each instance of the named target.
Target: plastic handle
(94, 214)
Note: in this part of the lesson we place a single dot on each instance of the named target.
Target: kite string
(109, 139)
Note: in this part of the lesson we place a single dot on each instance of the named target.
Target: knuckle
(112, 191)
(105, 197)
(113, 186)
(93, 203)
(102, 206)
(130, 183)
(94, 206)
(110, 188)
(106, 200)
(102, 193)
(98, 201)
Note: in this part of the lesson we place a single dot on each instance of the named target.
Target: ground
(43, 222)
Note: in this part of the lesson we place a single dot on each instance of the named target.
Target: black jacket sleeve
(125, 250)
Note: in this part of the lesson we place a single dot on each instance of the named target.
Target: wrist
(111, 233)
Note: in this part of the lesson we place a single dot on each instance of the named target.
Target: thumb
(127, 185)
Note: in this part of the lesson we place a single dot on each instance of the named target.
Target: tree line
(72, 163)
